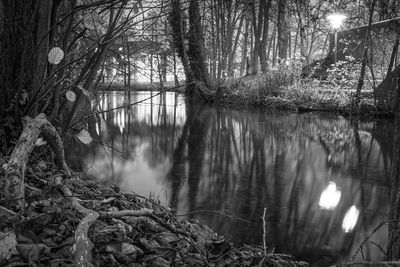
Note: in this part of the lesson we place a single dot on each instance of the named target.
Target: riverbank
(299, 96)
(79, 221)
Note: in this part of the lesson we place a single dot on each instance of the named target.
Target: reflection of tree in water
(148, 129)
(242, 162)
(393, 248)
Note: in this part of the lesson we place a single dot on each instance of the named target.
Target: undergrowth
(285, 88)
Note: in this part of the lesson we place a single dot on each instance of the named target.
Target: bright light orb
(350, 219)
(330, 197)
(336, 20)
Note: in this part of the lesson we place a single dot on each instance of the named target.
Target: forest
(142, 132)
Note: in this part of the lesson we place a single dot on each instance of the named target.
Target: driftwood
(15, 168)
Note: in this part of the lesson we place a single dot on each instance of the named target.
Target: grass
(279, 90)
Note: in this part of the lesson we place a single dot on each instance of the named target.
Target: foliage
(285, 88)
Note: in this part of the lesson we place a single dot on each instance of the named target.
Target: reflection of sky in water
(321, 179)
(140, 173)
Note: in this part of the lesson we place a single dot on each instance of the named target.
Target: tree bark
(266, 6)
(196, 45)
(244, 42)
(282, 31)
(365, 57)
(257, 21)
(177, 25)
(393, 250)
(17, 64)
(302, 33)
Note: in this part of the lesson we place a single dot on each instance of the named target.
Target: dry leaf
(70, 96)
(55, 55)
(85, 137)
(40, 142)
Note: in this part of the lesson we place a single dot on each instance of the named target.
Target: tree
(51, 54)
(393, 249)
(192, 56)
(365, 56)
(283, 30)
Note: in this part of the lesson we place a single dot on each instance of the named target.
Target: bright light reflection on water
(238, 162)
(330, 197)
(350, 219)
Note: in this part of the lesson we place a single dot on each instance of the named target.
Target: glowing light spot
(350, 219)
(97, 128)
(330, 197)
(336, 20)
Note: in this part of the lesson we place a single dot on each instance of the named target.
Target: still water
(322, 179)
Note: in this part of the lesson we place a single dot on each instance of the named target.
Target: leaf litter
(44, 235)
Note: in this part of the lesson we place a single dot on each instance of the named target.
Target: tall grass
(286, 88)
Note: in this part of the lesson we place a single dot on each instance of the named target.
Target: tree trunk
(393, 250)
(302, 33)
(233, 50)
(365, 57)
(245, 42)
(196, 55)
(178, 33)
(17, 43)
(257, 29)
(282, 31)
(266, 6)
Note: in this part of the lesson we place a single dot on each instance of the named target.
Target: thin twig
(213, 211)
(366, 240)
(264, 233)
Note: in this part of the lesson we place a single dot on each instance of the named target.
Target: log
(15, 168)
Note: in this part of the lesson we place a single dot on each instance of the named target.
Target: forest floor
(128, 230)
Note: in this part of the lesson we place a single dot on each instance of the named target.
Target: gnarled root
(15, 168)
(82, 248)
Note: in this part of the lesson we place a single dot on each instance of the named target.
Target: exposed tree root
(15, 168)
(82, 248)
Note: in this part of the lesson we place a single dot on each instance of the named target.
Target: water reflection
(330, 197)
(322, 178)
(350, 219)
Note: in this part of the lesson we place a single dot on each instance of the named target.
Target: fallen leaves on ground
(45, 235)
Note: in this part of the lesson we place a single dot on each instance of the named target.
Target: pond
(323, 180)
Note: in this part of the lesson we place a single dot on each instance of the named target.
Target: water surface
(322, 179)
